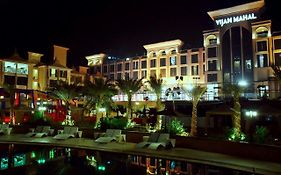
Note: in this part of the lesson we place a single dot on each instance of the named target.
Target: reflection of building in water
(155, 166)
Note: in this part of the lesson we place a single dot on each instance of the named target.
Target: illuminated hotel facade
(240, 49)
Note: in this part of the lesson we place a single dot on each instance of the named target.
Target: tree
(67, 93)
(129, 87)
(235, 91)
(156, 85)
(196, 93)
(99, 96)
(10, 89)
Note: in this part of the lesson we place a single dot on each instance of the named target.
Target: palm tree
(67, 93)
(10, 89)
(129, 87)
(196, 94)
(99, 96)
(156, 85)
(235, 91)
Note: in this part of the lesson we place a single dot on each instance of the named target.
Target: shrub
(233, 135)
(260, 134)
(176, 128)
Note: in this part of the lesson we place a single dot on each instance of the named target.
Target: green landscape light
(33, 155)
(101, 168)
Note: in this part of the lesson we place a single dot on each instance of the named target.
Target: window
(204, 57)
(174, 52)
(183, 59)
(212, 77)
(183, 71)
(204, 68)
(104, 69)
(111, 76)
(119, 76)
(163, 53)
(127, 75)
(135, 75)
(135, 65)
(213, 41)
(162, 62)
(277, 44)
(212, 52)
(163, 72)
(212, 65)
(9, 79)
(236, 66)
(261, 46)
(143, 65)
(194, 70)
(143, 73)
(262, 60)
(111, 68)
(226, 77)
(22, 69)
(173, 60)
(173, 72)
(63, 73)
(119, 67)
(194, 58)
(35, 74)
(277, 57)
(53, 83)
(153, 73)
(22, 81)
(10, 67)
(153, 63)
(248, 64)
(53, 73)
(127, 66)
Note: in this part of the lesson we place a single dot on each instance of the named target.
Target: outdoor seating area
(5, 129)
(67, 132)
(156, 141)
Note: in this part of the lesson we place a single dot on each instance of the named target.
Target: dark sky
(116, 27)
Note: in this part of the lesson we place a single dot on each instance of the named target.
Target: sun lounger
(152, 138)
(157, 140)
(110, 135)
(38, 129)
(68, 132)
(45, 132)
(5, 129)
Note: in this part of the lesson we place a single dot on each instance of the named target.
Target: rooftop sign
(234, 19)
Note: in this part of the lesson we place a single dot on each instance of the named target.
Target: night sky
(115, 27)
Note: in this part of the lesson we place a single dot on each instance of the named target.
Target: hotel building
(30, 79)
(239, 49)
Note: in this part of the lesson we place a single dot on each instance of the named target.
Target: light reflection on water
(33, 160)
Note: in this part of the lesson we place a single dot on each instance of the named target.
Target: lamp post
(251, 114)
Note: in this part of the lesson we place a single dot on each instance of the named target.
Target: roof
(237, 9)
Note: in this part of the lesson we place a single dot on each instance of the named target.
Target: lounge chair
(110, 135)
(152, 138)
(68, 132)
(38, 129)
(5, 129)
(45, 132)
(157, 140)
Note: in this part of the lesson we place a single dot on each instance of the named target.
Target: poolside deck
(184, 154)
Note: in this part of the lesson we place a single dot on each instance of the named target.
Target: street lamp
(251, 114)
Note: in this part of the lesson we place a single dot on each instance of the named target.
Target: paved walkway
(183, 154)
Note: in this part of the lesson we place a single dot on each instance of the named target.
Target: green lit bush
(260, 134)
(234, 135)
(176, 128)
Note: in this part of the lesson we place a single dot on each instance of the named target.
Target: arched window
(262, 32)
(211, 40)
